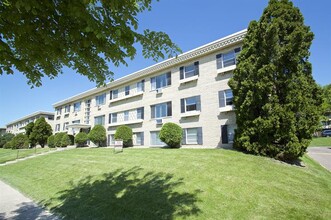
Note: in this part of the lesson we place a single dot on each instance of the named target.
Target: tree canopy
(39, 38)
(277, 100)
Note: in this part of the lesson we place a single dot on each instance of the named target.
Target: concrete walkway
(15, 206)
(322, 155)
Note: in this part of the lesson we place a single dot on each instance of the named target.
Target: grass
(172, 184)
(321, 142)
(9, 154)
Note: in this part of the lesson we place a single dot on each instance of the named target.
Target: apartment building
(190, 90)
(18, 126)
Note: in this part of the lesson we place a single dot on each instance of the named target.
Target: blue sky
(190, 24)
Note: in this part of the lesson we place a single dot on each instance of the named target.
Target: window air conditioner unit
(159, 121)
(159, 91)
(99, 107)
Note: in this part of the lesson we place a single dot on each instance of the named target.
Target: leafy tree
(65, 140)
(326, 106)
(171, 134)
(20, 141)
(58, 139)
(51, 141)
(80, 139)
(28, 131)
(83, 35)
(277, 100)
(98, 135)
(124, 133)
(5, 138)
(41, 131)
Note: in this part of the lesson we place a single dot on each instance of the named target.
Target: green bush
(20, 141)
(65, 140)
(124, 133)
(51, 141)
(171, 134)
(41, 131)
(8, 145)
(58, 139)
(5, 138)
(72, 139)
(98, 135)
(80, 139)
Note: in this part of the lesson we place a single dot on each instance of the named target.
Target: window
(161, 81)
(161, 110)
(126, 116)
(100, 99)
(67, 109)
(140, 113)
(155, 140)
(57, 127)
(192, 136)
(127, 90)
(76, 122)
(112, 118)
(99, 120)
(189, 71)
(227, 134)
(111, 139)
(58, 111)
(77, 107)
(141, 86)
(227, 59)
(65, 126)
(138, 138)
(114, 94)
(225, 98)
(190, 104)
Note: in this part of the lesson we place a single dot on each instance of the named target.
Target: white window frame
(221, 60)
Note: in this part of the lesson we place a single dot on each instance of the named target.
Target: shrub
(124, 133)
(80, 139)
(171, 134)
(41, 131)
(98, 135)
(5, 138)
(58, 139)
(51, 141)
(20, 141)
(72, 139)
(8, 145)
(65, 140)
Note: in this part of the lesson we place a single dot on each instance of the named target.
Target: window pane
(189, 71)
(229, 97)
(161, 110)
(126, 116)
(155, 140)
(191, 104)
(115, 94)
(192, 136)
(229, 59)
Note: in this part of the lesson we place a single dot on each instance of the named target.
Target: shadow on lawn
(128, 194)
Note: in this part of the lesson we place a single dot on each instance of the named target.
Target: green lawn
(321, 142)
(9, 154)
(172, 184)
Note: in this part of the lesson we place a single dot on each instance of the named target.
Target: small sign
(118, 145)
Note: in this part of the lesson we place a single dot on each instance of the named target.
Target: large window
(155, 140)
(113, 94)
(225, 98)
(190, 104)
(227, 59)
(67, 109)
(99, 120)
(65, 126)
(138, 138)
(189, 71)
(192, 136)
(58, 111)
(227, 134)
(161, 110)
(111, 139)
(140, 113)
(127, 90)
(77, 107)
(126, 116)
(112, 118)
(57, 127)
(100, 99)
(141, 86)
(161, 81)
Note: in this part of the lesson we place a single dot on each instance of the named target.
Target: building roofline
(184, 57)
(30, 115)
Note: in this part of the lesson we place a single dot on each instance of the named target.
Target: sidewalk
(322, 155)
(14, 205)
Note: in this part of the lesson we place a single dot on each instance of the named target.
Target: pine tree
(277, 100)
(41, 131)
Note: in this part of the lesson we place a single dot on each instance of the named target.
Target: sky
(190, 24)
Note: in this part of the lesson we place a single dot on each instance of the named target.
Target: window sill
(137, 121)
(227, 108)
(226, 69)
(190, 114)
(190, 79)
(126, 97)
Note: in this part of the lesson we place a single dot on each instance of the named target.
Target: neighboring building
(2, 131)
(190, 90)
(18, 126)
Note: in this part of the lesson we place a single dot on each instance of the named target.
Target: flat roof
(184, 57)
(30, 116)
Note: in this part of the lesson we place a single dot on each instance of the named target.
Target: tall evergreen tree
(277, 100)
(41, 131)
(28, 131)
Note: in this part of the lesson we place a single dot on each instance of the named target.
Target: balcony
(136, 121)
(227, 108)
(226, 69)
(126, 97)
(190, 114)
(189, 79)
